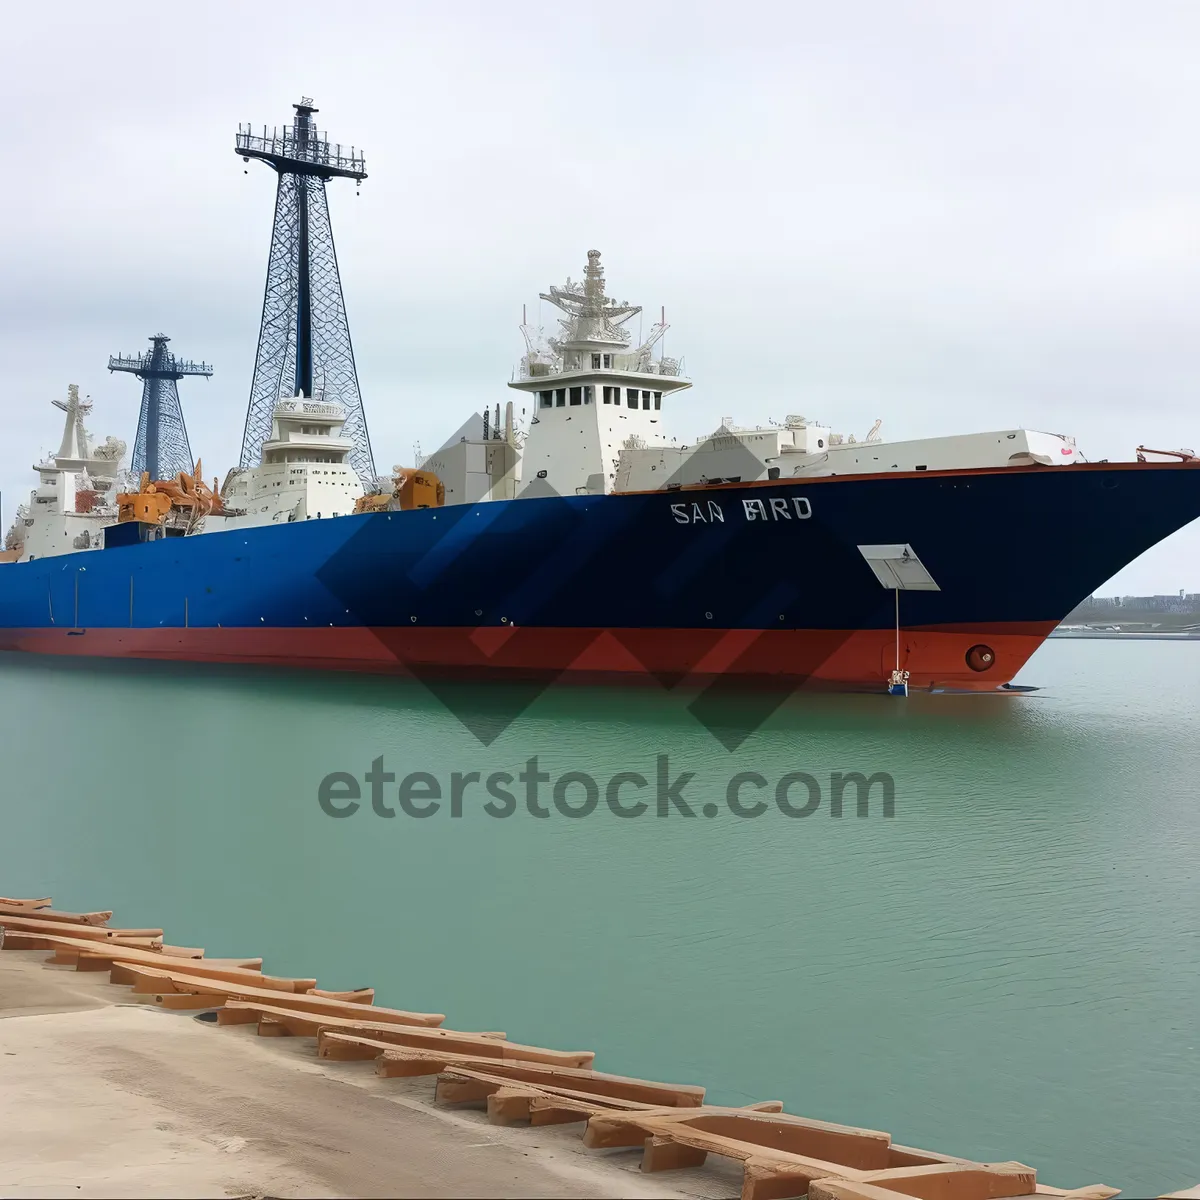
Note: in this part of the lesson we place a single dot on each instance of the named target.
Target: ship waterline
(838, 659)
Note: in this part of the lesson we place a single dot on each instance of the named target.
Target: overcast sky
(954, 217)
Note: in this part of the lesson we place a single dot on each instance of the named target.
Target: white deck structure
(593, 392)
(74, 496)
(304, 474)
(800, 449)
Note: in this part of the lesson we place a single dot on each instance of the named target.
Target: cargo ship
(575, 539)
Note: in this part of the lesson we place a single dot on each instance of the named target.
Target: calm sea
(1006, 967)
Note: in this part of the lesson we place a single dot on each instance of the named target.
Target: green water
(1008, 967)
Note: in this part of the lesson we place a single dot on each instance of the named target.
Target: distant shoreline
(1129, 635)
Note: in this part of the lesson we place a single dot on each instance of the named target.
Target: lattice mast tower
(304, 346)
(161, 446)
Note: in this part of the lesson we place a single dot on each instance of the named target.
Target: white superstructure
(801, 449)
(593, 392)
(598, 420)
(305, 472)
(74, 496)
(304, 475)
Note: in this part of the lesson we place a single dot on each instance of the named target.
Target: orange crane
(410, 489)
(187, 495)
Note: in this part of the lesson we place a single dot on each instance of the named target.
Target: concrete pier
(100, 1098)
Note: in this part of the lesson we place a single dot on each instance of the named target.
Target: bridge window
(587, 393)
(608, 362)
(560, 397)
(608, 395)
(658, 400)
(631, 397)
(577, 395)
(646, 400)
(546, 398)
(595, 362)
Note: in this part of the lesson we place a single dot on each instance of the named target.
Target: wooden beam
(765, 1179)
(7, 903)
(509, 1105)
(36, 924)
(863, 1149)
(356, 996)
(176, 975)
(174, 1001)
(396, 1061)
(305, 1024)
(9, 908)
(957, 1181)
(662, 1154)
(583, 1103)
(222, 989)
(939, 1181)
(120, 973)
(453, 1088)
(93, 951)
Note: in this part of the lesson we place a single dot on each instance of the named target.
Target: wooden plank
(863, 1149)
(100, 960)
(31, 924)
(63, 957)
(550, 1110)
(462, 1087)
(174, 1001)
(957, 1181)
(838, 1189)
(552, 1105)
(50, 914)
(7, 902)
(547, 1104)
(96, 952)
(509, 1105)
(938, 1181)
(120, 973)
(356, 996)
(14, 939)
(397, 1061)
(149, 978)
(1099, 1191)
(486, 1045)
(770, 1179)
(158, 978)
(662, 1154)
(907, 1156)
(479, 1084)
(794, 1171)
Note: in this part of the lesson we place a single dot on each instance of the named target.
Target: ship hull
(763, 583)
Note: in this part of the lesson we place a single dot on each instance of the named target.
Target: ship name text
(775, 508)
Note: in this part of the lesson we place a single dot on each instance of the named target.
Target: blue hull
(1013, 551)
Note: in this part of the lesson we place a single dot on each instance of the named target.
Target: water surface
(1008, 967)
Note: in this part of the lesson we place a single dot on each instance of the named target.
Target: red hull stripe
(935, 656)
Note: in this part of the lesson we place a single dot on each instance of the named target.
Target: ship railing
(312, 147)
(317, 407)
